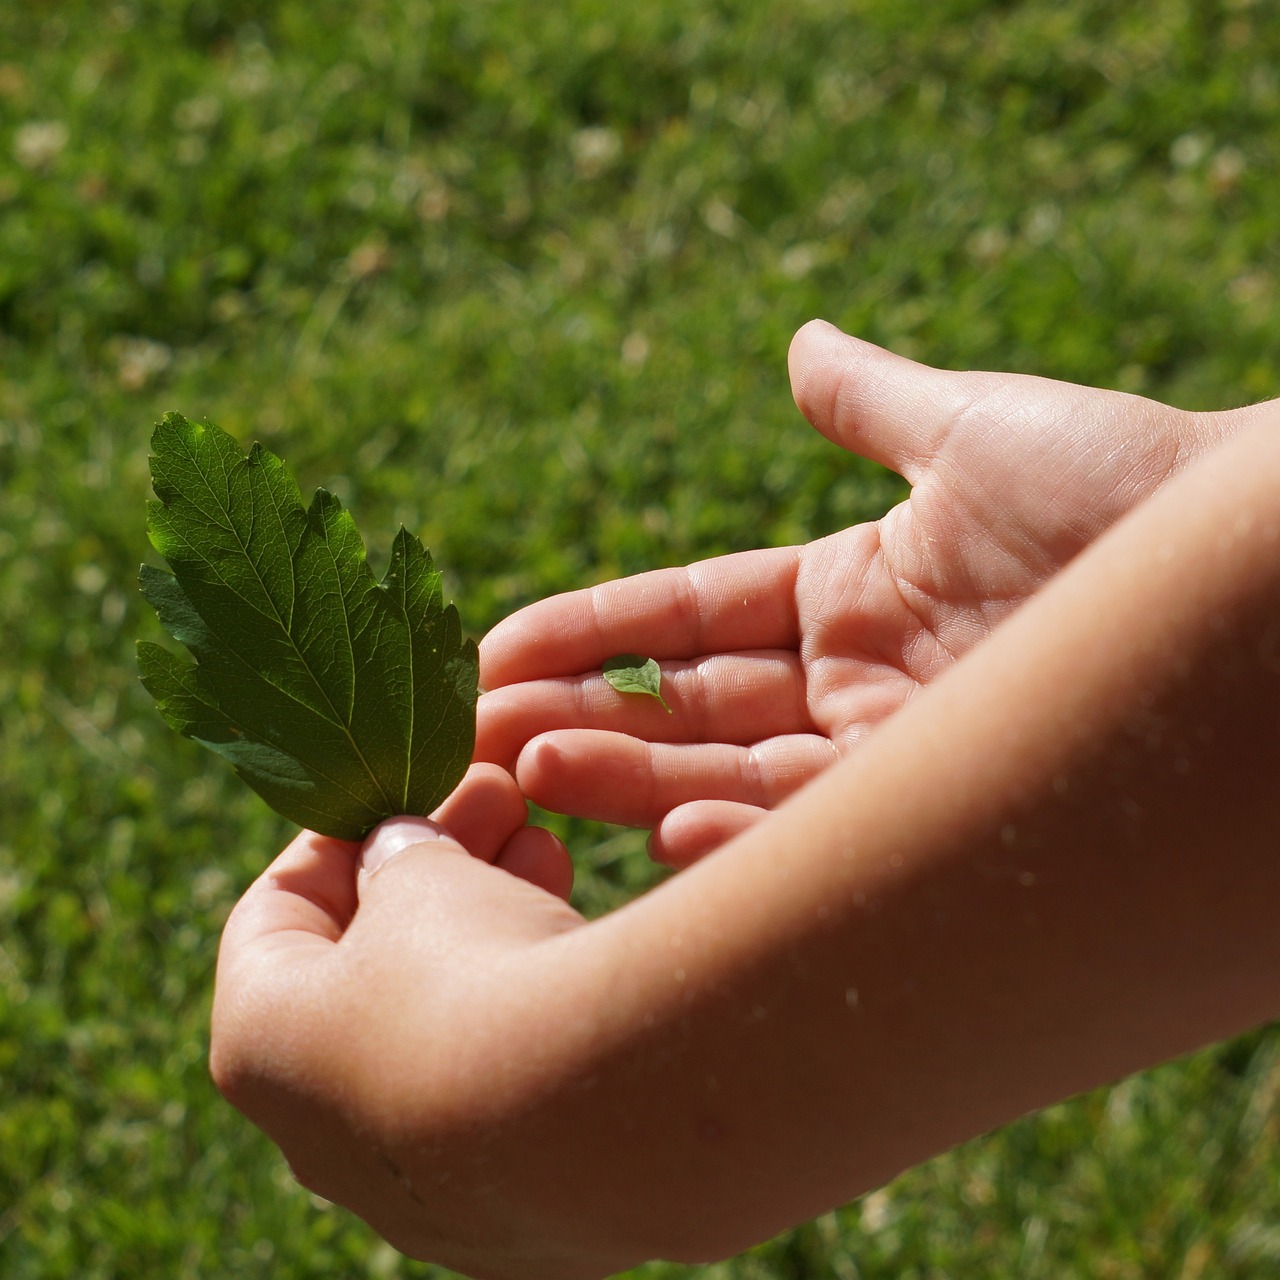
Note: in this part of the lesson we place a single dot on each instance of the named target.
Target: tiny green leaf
(339, 699)
(633, 673)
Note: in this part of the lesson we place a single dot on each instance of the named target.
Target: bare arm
(1057, 864)
(1060, 865)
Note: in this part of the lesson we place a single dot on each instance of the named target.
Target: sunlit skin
(777, 661)
(1052, 863)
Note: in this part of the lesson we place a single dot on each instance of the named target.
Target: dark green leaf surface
(339, 699)
(633, 673)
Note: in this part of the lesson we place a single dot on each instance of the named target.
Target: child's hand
(776, 661)
(358, 1038)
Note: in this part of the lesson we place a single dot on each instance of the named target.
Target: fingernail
(395, 836)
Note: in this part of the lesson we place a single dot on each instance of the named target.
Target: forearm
(1057, 865)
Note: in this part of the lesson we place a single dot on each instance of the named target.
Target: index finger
(301, 904)
(741, 601)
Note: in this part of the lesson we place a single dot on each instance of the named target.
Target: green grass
(522, 278)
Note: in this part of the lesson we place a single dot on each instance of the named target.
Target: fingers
(304, 902)
(298, 907)
(612, 777)
(694, 830)
(487, 815)
(484, 811)
(737, 602)
(874, 403)
(733, 698)
(537, 855)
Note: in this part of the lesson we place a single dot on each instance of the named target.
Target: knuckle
(234, 1054)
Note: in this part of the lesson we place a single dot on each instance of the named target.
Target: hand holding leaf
(339, 699)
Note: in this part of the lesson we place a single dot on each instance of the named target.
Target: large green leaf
(339, 699)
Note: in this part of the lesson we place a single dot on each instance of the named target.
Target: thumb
(416, 882)
(394, 837)
(874, 403)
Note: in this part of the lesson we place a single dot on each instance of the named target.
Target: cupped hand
(346, 1023)
(777, 661)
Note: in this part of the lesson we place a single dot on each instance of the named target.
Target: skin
(778, 661)
(1052, 865)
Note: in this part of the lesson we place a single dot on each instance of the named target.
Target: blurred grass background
(522, 278)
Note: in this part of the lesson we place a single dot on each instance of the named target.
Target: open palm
(776, 661)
